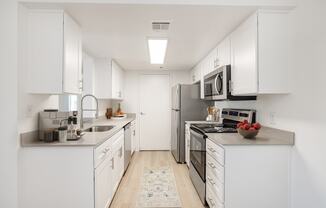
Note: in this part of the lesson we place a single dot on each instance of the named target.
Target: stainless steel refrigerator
(186, 106)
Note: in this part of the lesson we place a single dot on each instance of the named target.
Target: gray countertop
(266, 136)
(30, 139)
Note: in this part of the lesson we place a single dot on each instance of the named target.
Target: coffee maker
(51, 120)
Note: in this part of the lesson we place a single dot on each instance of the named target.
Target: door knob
(142, 113)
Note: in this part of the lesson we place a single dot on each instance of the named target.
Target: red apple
(242, 127)
(246, 126)
(239, 124)
(252, 129)
(256, 126)
(245, 121)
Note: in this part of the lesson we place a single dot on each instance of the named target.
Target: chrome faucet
(82, 109)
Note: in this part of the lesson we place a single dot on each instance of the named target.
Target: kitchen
(62, 52)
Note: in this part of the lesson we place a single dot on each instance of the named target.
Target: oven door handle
(193, 131)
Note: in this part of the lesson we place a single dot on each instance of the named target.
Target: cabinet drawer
(216, 186)
(216, 151)
(212, 200)
(102, 152)
(215, 167)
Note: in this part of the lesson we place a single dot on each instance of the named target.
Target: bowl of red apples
(248, 130)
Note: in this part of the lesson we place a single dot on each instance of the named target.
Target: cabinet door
(224, 52)
(103, 184)
(45, 51)
(72, 56)
(133, 137)
(103, 77)
(118, 164)
(121, 83)
(244, 58)
(192, 76)
(117, 81)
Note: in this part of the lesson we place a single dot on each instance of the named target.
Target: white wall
(131, 88)
(302, 111)
(8, 104)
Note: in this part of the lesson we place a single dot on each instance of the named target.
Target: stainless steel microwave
(217, 85)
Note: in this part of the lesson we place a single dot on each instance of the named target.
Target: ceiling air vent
(160, 26)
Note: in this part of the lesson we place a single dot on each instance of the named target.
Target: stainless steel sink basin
(99, 128)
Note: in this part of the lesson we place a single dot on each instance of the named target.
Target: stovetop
(215, 128)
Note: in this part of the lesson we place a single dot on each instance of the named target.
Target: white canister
(63, 133)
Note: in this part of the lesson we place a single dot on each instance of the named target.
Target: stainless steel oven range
(197, 168)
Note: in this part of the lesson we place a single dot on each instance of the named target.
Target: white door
(154, 95)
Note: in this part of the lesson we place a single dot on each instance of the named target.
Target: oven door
(198, 152)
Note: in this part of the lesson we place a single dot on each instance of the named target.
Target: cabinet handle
(120, 154)
(112, 163)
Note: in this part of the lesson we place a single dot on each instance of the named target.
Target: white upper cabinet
(223, 52)
(72, 56)
(54, 53)
(109, 78)
(117, 81)
(218, 57)
(195, 74)
(244, 58)
(259, 54)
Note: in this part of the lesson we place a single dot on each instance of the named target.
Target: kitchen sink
(99, 128)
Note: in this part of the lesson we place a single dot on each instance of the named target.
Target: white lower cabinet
(247, 176)
(103, 184)
(133, 137)
(110, 170)
(118, 161)
(71, 176)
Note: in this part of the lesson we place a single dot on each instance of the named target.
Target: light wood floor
(127, 194)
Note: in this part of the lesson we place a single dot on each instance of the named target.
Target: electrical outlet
(272, 116)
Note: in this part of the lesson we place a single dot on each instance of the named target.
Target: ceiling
(121, 31)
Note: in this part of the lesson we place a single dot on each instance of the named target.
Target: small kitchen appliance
(198, 135)
(217, 85)
(51, 120)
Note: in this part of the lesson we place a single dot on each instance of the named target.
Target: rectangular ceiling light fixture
(157, 49)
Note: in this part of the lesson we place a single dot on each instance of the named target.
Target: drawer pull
(211, 181)
(211, 149)
(212, 165)
(211, 201)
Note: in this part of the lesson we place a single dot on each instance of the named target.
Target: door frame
(139, 103)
